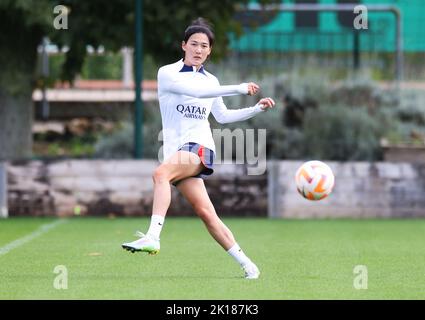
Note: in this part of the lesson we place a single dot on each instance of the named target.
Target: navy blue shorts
(206, 155)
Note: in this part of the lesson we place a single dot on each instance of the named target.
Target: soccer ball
(314, 180)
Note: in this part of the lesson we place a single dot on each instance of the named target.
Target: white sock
(237, 253)
(156, 226)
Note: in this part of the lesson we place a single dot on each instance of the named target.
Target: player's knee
(160, 175)
(206, 213)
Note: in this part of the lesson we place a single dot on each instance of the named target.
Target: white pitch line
(21, 241)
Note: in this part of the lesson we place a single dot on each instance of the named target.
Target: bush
(341, 133)
(120, 143)
(410, 116)
(312, 119)
(117, 145)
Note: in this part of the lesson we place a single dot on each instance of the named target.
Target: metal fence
(339, 51)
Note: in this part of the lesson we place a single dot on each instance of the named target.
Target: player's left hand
(266, 103)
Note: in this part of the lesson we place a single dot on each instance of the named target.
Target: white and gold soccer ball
(315, 180)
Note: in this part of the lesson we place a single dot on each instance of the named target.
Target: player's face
(197, 49)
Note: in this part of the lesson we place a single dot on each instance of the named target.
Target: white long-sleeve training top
(186, 98)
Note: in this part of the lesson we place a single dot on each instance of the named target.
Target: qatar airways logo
(192, 112)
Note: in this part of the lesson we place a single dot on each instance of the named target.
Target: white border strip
(39, 232)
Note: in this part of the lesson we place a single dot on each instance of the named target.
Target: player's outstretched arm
(195, 89)
(224, 115)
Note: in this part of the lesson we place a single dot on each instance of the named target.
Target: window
(306, 19)
(346, 18)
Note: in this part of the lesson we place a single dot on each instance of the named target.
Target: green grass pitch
(299, 259)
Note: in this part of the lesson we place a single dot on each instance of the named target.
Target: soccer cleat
(145, 244)
(251, 271)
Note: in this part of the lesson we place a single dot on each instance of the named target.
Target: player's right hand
(253, 88)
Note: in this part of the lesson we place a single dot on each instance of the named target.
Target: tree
(25, 22)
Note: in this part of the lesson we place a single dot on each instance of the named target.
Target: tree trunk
(16, 114)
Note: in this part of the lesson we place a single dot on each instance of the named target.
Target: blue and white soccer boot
(145, 243)
(251, 271)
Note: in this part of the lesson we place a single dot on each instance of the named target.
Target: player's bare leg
(181, 165)
(193, 189)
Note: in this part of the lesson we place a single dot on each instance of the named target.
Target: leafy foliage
(341, 133)
(25, 22)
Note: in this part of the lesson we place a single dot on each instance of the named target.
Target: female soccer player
(187, 95)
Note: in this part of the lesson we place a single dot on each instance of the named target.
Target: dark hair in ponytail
(200, 25)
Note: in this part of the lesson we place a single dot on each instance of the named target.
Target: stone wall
(121, 188)
(124, 188)
(361, 189)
